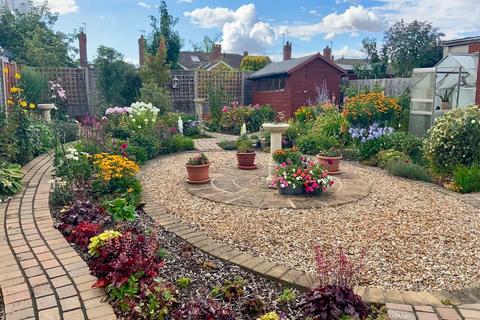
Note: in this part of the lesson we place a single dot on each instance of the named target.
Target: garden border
(303, 281)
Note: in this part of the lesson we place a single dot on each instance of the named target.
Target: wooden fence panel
(392, 86)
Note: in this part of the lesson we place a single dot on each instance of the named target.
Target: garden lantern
(175, 82)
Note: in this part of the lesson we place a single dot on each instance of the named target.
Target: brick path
(42, 277)
(211, 143)
(409, 312)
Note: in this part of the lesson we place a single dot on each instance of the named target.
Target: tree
(254, 63)
(163, 28)
(156, 68)
(206, 45)
(29, 36)
(412, 45)
(118, 80)
(378, 65)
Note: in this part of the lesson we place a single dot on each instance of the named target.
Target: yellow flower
(18, 76)
(14, 89)
(10, 102)
(129, 190)
(31, 106)
(23, 103)
(5, 70)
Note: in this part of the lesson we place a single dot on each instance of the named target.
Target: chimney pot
(327, 53)
(141, 51)
(82, 43)
(216, 52)
(287, 51)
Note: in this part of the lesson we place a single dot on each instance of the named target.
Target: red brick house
(289, 84)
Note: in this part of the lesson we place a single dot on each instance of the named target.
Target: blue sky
(258, 26)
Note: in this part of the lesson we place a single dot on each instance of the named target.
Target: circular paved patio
(247, 188)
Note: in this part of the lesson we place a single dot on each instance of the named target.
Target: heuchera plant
(81, 212)
(204, 309)
(121, 257)
(82, 233)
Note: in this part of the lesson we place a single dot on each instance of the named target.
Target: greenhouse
(449, 85)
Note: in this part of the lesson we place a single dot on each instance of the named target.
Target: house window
(271, 84)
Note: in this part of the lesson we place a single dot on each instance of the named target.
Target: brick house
(289, 84)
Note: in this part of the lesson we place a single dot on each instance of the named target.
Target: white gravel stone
(415, 238)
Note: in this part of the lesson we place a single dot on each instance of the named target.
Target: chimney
(217, 52)
(82, 44)
(287, 51)
(327, 53)
(141, 51)
(245, 53)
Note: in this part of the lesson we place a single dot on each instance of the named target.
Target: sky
(261, 26)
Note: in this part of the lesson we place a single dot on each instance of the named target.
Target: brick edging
(298, 279)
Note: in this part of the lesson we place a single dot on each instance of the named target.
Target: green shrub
(137, 153)
(227, 145)
(34, 85)
(467, 178)
(454, 140)
(150, 143)
(259, 116)
(67, 130)
(182, 143)
(41, 136)
(245, 144)
(150, 92)
(313, 143)
(120, 210)
(120, 133)
(408, 170)
(10, 179)
(332, 123)
(385, 156)
(398, 141)
(61, 195)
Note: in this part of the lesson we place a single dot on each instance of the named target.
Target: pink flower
(225, 109)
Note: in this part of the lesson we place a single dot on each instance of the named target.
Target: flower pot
(246, 161)
(198, 174)
(445, 105)
(330, 164)
(289, 191)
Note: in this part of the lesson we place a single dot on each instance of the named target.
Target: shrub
(120, 210)
(148, 142)
(67, 131)
(408, 170)
(398, 141)
(41, 137)
(121, 257)
(254, 63)
(332, 123)
(288, 156)
(467, 178)
(369, 107)
(333, 302)
(182, 143)
(137, 153)
(198, 160)
(98, 241)
(454, 140)
(227, 145)
(314, 143)
(84, 212)
(114, 166)
(244, 144)
(10, 178)
(150, 92)
(385, 156)
(259, 116)
(128, 187)
(304, 114)
(34, 85)
(81, 234)
(61, 195)
(142, 117)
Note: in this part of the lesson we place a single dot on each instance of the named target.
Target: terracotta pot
(331, 164)
(246, 160)
(445, 105)
(198, 174)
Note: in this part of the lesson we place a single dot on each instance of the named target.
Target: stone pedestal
(45, 109)
(276, 130)
(199, 103)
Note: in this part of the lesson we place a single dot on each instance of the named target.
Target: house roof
(289, 66)
(190, 60)
(348, 63)
(461, 41)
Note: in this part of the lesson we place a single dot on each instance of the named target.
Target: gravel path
(415, 238)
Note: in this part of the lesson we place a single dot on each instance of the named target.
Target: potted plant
(446, 105)
(330, 160)
(198, 169)
(306, 178)
(245, 153)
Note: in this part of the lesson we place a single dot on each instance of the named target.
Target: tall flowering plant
(373, 132)
(142, 116)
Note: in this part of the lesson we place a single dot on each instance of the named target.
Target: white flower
(133, 120)
(473, 121)
(139, 127)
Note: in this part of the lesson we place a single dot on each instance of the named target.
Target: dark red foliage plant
(81, 212)
(81, 234)
(202, 308)
(332, 302)
(121, 257)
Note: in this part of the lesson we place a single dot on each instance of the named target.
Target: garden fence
(7, 78)
(392, 86)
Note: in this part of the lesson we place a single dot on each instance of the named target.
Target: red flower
(124, 146)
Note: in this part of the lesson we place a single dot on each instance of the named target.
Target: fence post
(242, 90)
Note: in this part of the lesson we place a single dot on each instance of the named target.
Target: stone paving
(248, 188)
(442, 312)
(42, 277)
(208, 144)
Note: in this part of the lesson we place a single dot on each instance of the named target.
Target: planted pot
(445, 105)
(246, 160)
(289, 191)
(330, 164)
(198, 174)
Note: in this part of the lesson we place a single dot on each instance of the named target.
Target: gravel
(415, 238)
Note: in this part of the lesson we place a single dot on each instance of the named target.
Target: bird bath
(276, 130)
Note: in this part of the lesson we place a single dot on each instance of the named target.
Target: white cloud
(60, 6)
(143, 4)
(354, 19)
(186, 1)
(241, 28)
(454, 18)
(132, 61)
(348, 52)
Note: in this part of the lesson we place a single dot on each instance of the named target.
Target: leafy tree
(206, 45)
(29, 36)
(118, 80)
(162, 27)
(378, 65)
(156, 68)
(254, 63)
(158, 96)
(412, 45)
